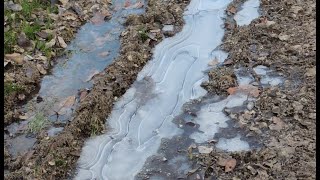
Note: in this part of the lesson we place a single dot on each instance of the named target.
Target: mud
(55, 157)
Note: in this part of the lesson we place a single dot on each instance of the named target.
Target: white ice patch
(233, 144)
(143, 116)
(248, 13)
(266, 79)
(211, 117)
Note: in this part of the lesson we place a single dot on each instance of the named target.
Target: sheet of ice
(143, 116)
(233, 144)
(248, 12)
(267, 79)
(168, 28)
(211, 117)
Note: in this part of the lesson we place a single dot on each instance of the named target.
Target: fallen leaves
(134, 6)
(204, 149)
(278, 124)
(61, 42)
(229, 164)
(41, 69)
(15, 57)
(311, 72)
(247, 89)
(214, 62)
(283, 37)
(66, 104)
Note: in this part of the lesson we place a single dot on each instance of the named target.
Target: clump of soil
(56, 157)
(220, 80)
(283, 38)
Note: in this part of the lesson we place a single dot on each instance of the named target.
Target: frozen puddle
(248, 12)
(95, 46)
(144, 117)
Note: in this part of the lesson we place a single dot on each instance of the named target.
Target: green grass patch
(31, 30)
(38, 123)
(10, 88)
(29, 7)
(10, 39)
(143, 34)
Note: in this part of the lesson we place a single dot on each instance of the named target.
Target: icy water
(143, 116)
(150, 123)
(154, 122)
(95, 46)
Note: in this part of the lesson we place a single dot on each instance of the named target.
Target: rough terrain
(283, 117)
(283, 38)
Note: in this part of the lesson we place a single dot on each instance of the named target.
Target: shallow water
(95, 46)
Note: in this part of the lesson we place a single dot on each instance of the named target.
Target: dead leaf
(283, 37)
(51, 163)
(66, 104)
(232, 10)
(278, 124)
(227, 62)
(43, 34)
(5, 63)
(98, 18)
(127, 3)
(311, 72)
(92, 74)
(230, 165)
(64, 2)
(51, 43)
(15, 57)
(41, 69)
(61, 42)
(213, 62)
(248, 89)
(83, 95)
(204, 149)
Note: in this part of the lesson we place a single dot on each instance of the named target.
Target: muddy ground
(284, 117)
(56, 157)
(283, 38)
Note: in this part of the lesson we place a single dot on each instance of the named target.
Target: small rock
(23, 41)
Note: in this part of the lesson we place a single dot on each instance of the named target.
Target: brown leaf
(248, 89)
(311, 72)
(83, 95)
(66, 104)
(213, 62)
(43, 34)
(127, 3)
(51, 43)
(135, 6)
(230, 165)
(15, 57)
(61, 42)
(232, 10)
(278, 124)
(204, 149)
(227, 62)
(21, 97)
(41, 69)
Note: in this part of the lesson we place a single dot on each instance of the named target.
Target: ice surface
(248, 13)
(143, 116)
(233, 144)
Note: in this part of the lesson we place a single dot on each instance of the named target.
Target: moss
(143, 34)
